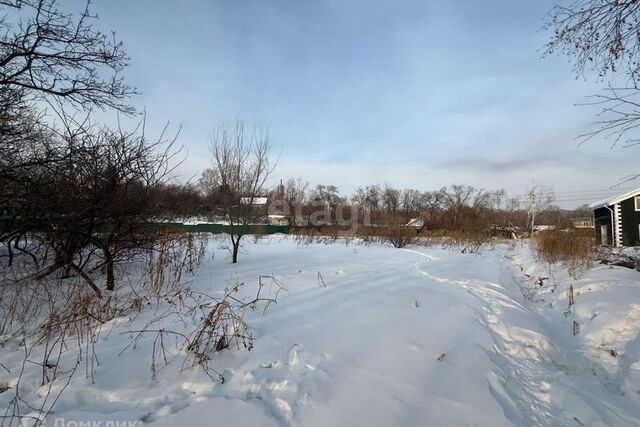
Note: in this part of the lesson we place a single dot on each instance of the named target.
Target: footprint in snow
(270, 365)
(284, 387)
(294, 350)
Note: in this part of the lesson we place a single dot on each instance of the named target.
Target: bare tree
(368, 197)
(390, 198)
(48, 54)
(327, 194)
(88, 199)
(295, 190)
(432, 202)
(455, 199)
(465, 206)
(497, 198)
(537, 199)
(482, 199)
(328, 198)
(602, 36)
(242, 164)
(209, 186)
(63, 182)
(511, 209)
(411, 201)
(25, 138)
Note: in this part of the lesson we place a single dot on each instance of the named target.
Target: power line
(588, 193)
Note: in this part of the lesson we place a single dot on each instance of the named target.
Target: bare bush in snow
(56, 322)
(573, 249)
(219, 324)
(398, 235)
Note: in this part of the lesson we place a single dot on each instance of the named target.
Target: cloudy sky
(418, 93)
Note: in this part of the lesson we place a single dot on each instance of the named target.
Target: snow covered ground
(415, 336)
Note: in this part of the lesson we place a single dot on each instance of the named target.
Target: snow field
(415, 336)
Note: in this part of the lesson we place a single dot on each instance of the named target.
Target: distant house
(539, 228)
(278, 219)
(254, 201)
(582, 222)
(506, 231)
(617, 220)
(258, 207)
(416, 223)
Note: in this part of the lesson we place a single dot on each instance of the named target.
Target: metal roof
(253, 200)
(613, 200)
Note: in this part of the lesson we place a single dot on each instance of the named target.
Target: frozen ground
(416, 336)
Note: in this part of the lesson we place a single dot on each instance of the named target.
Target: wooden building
(617, 220)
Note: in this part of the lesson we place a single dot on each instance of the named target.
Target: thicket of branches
(84, 200)
(75, 196)
(602, 37)
(49, 54)
(76, 199)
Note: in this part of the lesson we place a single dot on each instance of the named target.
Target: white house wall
(617, 225)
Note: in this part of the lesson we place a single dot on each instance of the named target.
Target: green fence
(180, 227)
(222, 228)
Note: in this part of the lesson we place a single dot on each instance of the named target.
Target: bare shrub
(52, 321)
(573, 249)
(219, 322)
(397, 235)
(325, 234)
(171, 256)
(58, 321)
(222, 326)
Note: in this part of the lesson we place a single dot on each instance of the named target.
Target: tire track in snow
(519, 387)
(526, 379)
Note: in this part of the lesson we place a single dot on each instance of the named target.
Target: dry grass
(573, 249)
(170, 259)
(327, 234)
(464, 241)
(219, 324)
(57, 321)
(398, 235)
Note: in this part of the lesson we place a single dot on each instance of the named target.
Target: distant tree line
(456, 207)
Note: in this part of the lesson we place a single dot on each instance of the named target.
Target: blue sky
(415, 93)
